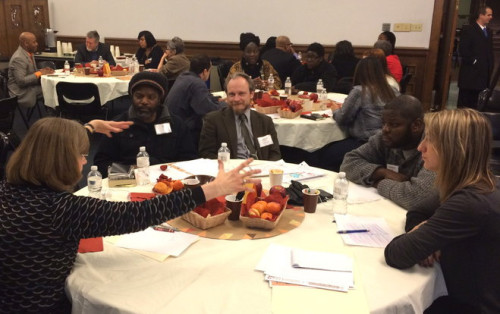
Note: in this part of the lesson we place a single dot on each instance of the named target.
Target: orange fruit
(273, 208)
(253, 213)
(260, 206)
(266, 216)
(162, 188)
(177, 185)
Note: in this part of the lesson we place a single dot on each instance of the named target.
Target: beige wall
(325, 21)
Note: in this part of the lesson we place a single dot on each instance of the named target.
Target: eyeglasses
(84, 155)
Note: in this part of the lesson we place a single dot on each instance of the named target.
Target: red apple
(278, 189)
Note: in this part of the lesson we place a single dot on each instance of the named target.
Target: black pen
(352, 231)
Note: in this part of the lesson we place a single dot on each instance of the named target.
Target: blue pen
(352, 231)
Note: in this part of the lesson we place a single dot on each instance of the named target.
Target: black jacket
(283, 62)
(306, 79)
(476, 52)
(83, 55)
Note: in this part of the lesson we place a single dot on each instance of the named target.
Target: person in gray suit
(24, 76)
(246, 132)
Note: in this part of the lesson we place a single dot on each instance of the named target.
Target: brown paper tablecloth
(235, 230)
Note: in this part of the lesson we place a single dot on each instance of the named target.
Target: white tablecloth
(109, 87)
(218, 276)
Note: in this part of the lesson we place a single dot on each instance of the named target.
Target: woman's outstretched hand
(232, 181)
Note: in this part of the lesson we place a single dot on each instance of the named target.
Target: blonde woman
(42, 222)
(463, 234)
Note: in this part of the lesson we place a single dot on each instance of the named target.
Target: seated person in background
(361, 114)
(393, 63)
(253, 65)
(463, 234)
(149, 52)
(379, 53)
(282, 58)
(93, 49)
(306, 76)
(24, 77)
(246, 132)
(344, 61)
(270, 44)
(175, 58)
(390, 160)
(189, 98)
(166, 137)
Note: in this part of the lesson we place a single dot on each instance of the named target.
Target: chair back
(7, 110)
(223, 70)
(46, 64)
(4, 78)
(404, 82)
(80, 101)
(494, 118)
(344, 85)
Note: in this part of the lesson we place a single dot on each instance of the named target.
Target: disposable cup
(234, 206)
(310, 198)
(275, 177)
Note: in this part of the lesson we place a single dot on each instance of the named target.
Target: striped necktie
(246, 136)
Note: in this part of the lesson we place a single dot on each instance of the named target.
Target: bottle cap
(341, 174)
(223, 144)
(93, 168)
(142, 148)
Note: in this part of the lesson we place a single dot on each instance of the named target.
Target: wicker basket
(289, 114)
(205, 223)
(267, 110)
(262, 223)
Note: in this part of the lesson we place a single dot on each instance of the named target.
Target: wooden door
(445, 53)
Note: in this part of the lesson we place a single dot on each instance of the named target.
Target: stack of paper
(324, 270)
(378, 235)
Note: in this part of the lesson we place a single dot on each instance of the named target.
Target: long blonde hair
(462, 139)
(49, 155)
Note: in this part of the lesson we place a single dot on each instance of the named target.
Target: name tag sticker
(163, 128)
(393, 168)
(265, 140)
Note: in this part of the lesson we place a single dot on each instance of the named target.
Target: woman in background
(42, 222)
(149, 52)
(463, 233)
(379, 53)
(343, 59)
(251, 63)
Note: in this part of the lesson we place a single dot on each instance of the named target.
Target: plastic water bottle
(299, 56)
(67, 68)
(319, 86)
(101, 62)
(224, 155)
(142, 166)
(270, 81)
(288, 86)
(94, 182)
(323, 95)
(340, 190)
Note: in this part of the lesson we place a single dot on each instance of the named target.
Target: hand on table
(259, 83)
(230, 182)
(383, 173)
(335, 106)
(431, 259)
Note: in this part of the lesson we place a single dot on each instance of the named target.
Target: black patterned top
(40, 230)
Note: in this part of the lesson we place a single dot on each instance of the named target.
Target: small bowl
(197, 180)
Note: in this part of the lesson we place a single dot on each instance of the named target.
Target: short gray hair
(385, 46)
(176, 44)
(233, 76)
(93, 34)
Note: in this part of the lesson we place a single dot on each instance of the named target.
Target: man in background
(247, 133)
(190, 99)
(390, 160)
(93, 49)
(282, 58)
(476, 52)
(24, 76)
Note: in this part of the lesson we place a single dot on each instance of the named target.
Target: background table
(218, 276)
(109, 87)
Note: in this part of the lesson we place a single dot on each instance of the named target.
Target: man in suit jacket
(24, 77)
(246, 132)
(476, 51)
(282, 58)
(92, 49)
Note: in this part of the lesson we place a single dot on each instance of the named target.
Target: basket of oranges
(208, 215)
(264, 212)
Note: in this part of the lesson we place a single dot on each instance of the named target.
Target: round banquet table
(109, 87)
(219, 276)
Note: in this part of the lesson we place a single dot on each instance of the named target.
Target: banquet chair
(80, 101)
(344, 85)
(8, 108)
(223, 70)
(404, 82)
(46, 64)
(4, 77)
(494, 119)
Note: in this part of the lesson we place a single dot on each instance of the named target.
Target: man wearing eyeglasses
(307, 75)
(282, 58)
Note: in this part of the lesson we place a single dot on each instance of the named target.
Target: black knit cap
(318, 48)
(153, 79)
(246, 38)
